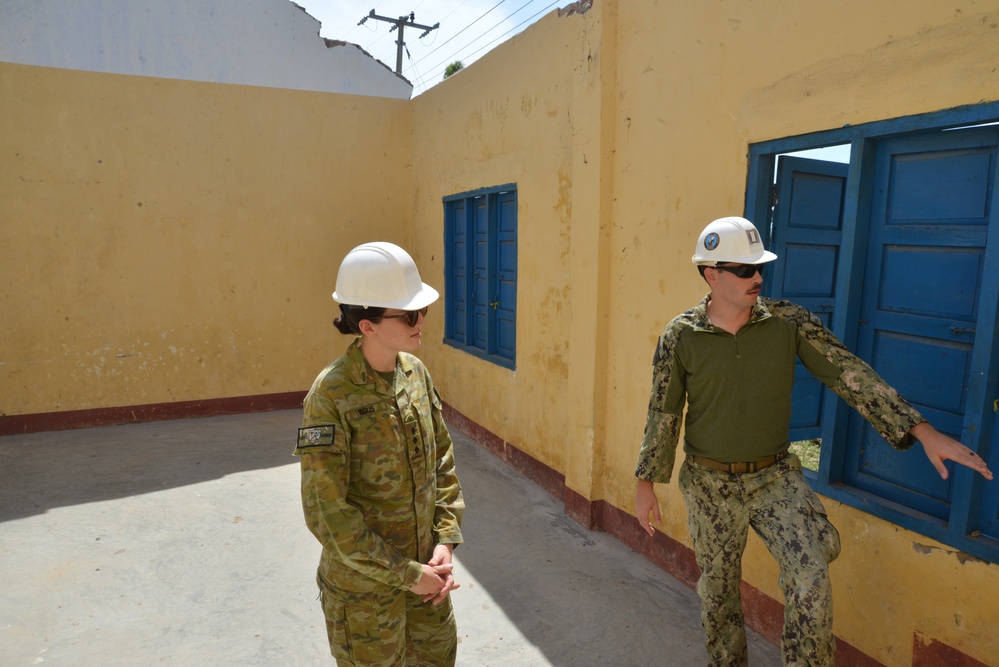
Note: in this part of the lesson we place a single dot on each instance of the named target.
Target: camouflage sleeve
(450, 502)
(338, 525)
(851, 377)
(665, 415)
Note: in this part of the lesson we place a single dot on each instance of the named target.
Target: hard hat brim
(426, 296)
(767, 256)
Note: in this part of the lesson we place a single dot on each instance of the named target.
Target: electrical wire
(512, 29)
(483, 34)
(372, 29)
(454, 55)
(419, 77)
(463, 30)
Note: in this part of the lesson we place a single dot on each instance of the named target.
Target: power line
(464, 29)
(483, 34)
(375, 8)
(513, 28)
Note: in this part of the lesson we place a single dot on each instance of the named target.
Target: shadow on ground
(576, 597)
(183, 543)
(41, 471)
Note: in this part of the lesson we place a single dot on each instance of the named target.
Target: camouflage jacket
(379, 488)
(739, 405)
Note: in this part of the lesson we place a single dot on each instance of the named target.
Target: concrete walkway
(182, 543)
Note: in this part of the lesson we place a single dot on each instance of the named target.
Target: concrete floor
(182, 543)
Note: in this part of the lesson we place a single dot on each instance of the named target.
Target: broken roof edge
(332, 43)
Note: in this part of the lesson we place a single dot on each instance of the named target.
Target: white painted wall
(271, 43)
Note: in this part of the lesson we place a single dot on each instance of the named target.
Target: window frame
(499, 346)
(758, 205)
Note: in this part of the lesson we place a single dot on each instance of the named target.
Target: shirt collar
(699, 313)
(361, 371)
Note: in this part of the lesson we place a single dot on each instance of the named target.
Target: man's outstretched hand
(939, 448)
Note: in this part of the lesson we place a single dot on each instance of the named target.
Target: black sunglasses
(411, 316)
(741, 270)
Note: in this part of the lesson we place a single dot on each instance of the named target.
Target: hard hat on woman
(381, 274)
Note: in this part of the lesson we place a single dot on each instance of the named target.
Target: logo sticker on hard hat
(754, 236)
(711, 241)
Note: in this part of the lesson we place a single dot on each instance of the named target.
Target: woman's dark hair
(349, 321)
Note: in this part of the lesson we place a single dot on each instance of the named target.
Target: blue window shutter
(479, 330)
(456, 240)
(506, 275)
(808, 232)
(480, 266)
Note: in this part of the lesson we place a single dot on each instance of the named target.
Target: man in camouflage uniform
(731, 360)
(379, 488)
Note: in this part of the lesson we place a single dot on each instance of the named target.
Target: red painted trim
(544, 476)
(580, 509)
(73, 419)
(928, 652)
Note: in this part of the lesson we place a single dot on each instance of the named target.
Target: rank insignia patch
(316, 436)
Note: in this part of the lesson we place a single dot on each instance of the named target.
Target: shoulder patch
(316, 436)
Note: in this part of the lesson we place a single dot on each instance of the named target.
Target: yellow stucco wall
(493, 126)
(703, 82)
(166, 241)
(663, 102)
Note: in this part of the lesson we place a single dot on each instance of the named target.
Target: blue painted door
(929, 279)
(808, 234)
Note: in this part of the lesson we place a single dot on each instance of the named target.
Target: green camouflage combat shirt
(737, 388)
(379, 488)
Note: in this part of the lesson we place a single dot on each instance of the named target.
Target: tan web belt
(739, 467)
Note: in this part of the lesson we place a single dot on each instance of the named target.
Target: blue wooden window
(480, 267)
(897, 251)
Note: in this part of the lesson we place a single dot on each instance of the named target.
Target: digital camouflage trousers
(391, 628)
(790, 519)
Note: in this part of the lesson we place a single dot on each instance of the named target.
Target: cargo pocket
(825, 532)
(335, 612)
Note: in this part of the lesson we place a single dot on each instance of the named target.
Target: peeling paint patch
(962, 557)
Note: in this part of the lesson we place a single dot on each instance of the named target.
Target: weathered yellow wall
(699, 82)
(663, 101)
(509, 121)
(166, 241)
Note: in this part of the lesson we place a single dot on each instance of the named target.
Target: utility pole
(401, 23)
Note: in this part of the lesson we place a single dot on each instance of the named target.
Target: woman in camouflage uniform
(379, 488)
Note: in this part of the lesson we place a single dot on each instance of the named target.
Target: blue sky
(468, 29)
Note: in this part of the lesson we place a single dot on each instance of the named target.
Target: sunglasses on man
(741, 270)
(410, 316)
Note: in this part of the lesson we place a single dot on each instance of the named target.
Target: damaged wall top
(272, 43)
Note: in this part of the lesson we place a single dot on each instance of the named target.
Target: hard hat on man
(730, 239)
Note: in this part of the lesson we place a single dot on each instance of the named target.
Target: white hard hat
(382, 275)
(730, 239)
